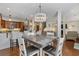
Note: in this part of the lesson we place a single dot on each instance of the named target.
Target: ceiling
(23, 10)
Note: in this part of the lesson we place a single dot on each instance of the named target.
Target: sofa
(72, 35)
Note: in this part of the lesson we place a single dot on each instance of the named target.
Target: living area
(39, 29)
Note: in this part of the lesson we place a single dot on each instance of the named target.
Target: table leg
(41, 51)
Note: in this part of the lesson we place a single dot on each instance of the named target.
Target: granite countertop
(8, 30)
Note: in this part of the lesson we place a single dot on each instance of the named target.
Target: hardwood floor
(68, 50)
(9, 52)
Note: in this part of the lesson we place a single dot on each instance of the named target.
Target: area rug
(76, 46)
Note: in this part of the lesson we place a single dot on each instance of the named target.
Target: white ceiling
(23, 10)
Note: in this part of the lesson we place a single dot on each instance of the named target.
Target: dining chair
(54, 51)
(14, 38)
(38, 33)
(16, 34)
(28, 33)
(27, 51)
(25, 33)
(50, 33)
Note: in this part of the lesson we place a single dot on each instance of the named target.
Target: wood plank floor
(68, 50)
(9, 52)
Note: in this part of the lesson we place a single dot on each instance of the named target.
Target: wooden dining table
(40, 41)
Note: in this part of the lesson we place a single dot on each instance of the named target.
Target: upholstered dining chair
(27, 33)
(27, 51)
(50, 33)
(38, 33)
(54, 51)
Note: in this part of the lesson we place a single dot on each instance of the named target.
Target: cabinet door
(3, 23)
(6, 24)
(4, 41)
(0, 23)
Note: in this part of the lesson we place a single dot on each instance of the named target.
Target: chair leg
(28, 44)
(37, 54)
(43, 53)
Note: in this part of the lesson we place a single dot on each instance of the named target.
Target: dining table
(40, 41)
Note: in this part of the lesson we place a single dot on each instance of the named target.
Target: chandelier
(40, 17)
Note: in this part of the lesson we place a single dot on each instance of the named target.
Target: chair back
(59, 47)
(50, 33)
(16, 35)
(22, 48)
(38, 33)
(31, 33)
(25, 33)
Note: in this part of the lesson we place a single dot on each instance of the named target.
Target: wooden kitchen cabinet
(11, 24)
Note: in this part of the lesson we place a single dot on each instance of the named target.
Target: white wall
(4, 42)
(73, 26)
(51, 23)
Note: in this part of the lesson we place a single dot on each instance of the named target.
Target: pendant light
(40, 16)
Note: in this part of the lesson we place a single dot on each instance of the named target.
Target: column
(64, 30)
(33, 25)
(59, 24)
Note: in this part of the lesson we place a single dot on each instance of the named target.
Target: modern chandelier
(40, 17)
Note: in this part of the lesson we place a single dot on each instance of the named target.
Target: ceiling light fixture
(10, 17)
(40, 17)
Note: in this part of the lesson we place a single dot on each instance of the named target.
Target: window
(61, 26)
(66, 26)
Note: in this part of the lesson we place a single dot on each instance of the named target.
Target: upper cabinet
(2, 22)
(11, 24)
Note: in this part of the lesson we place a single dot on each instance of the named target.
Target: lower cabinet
(4, 43)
